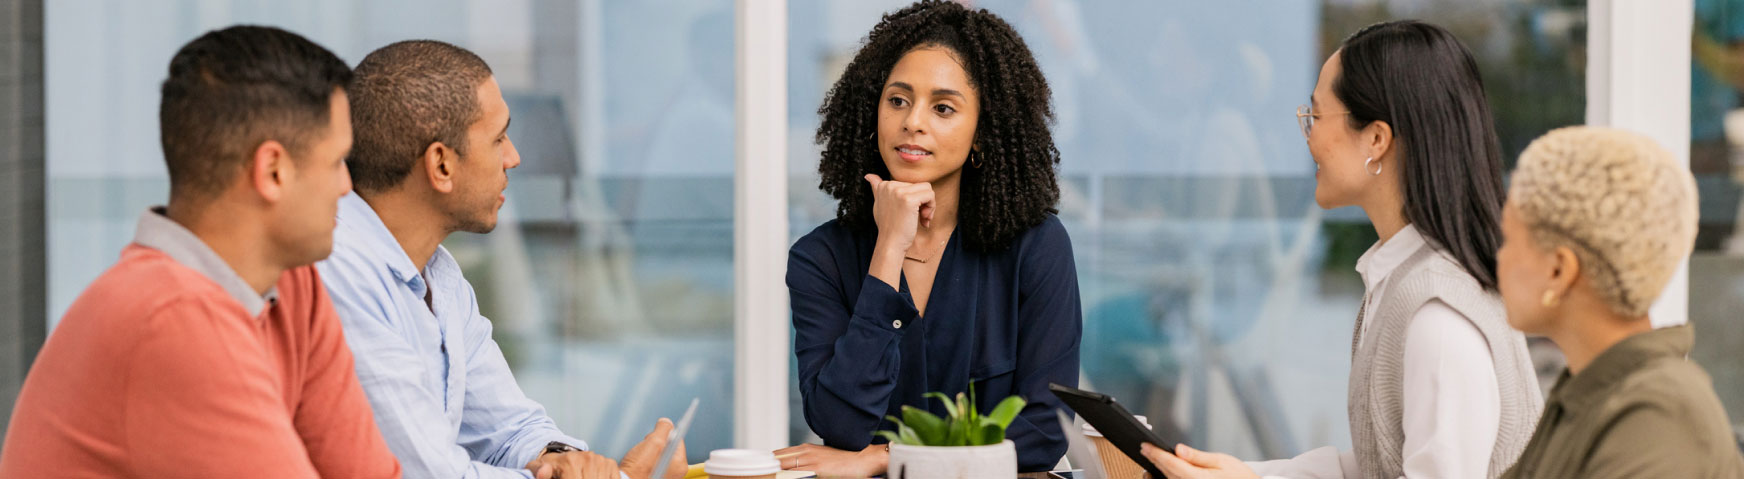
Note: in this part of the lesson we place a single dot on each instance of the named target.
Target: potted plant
(965, 444)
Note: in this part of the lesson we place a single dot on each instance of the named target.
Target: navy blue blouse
(1008, 322)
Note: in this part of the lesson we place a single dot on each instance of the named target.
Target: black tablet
(1115, 424)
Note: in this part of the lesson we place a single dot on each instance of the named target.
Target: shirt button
(896, 324)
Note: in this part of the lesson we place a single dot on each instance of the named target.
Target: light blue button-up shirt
(443, 395)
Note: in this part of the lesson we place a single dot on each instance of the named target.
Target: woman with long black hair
(1440, 386)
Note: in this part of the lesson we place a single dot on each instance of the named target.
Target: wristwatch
(559, 448)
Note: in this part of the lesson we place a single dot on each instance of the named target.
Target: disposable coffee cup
(1114, 462)
(741, 464)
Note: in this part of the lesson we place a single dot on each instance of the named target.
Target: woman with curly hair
(945, 269)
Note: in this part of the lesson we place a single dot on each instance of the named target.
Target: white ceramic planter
(998, 461)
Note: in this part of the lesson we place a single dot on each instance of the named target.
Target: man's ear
(438, 162)
(268, 168)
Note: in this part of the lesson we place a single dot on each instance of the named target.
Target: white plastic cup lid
(1090, 430)
(741, 463)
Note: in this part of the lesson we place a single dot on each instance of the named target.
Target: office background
(1215, 292)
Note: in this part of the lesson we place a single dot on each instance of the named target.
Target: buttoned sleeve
(1320, 463)
(847, 352)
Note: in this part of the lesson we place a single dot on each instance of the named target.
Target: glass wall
(1215, 292)
(1716, 270)
(609, 278)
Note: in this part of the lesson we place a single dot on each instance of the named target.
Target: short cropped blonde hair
(1615, 198)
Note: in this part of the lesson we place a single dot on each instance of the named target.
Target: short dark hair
(408, 95)
(232, 89)
(1420, 79)
(1015, 187)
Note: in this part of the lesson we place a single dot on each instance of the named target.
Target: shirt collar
(1385, 256)
(1618, 362)
(356, 217)
(157, 231)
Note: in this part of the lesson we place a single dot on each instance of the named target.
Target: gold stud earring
(1549, 299)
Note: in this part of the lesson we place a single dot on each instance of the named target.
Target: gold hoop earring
(1378, 167)
(974, 159)
(1549, 300)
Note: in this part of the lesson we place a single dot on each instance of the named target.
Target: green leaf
(988, 435)
(909, 437)
(895, 437)
(955, 433)
(930, 428)
(966, 430)
(963, 425)
(1005, 412)
(950, 407)
(977, 416)
(905, 433)
(968, 409)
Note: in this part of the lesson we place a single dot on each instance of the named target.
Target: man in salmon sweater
(211, 349)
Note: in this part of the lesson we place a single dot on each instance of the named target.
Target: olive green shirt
(1641, 409)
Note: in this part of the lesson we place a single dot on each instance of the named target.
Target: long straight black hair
(1421, 80)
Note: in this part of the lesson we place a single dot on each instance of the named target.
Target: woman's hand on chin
(899, 209)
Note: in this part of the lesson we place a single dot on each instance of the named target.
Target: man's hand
(1189, 463)
(831, 462)
(639, 462)
(573, 465)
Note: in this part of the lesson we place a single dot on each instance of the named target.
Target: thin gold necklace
(930, 256)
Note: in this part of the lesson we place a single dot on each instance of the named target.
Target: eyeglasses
(1305, 117)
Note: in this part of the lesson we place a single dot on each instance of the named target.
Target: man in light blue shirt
(430, 157)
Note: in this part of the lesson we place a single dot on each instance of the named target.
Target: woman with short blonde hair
(1596, 223)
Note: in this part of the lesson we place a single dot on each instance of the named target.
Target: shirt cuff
(1320, 463)
(884, 306)
(539, 444)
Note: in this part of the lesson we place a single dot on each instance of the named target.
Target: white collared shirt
(1453, 404)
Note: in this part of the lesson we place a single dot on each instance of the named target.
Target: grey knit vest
(1377, 395)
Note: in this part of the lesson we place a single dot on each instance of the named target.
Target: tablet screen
(1115, 424)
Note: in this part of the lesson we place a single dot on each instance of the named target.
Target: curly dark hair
(1014, 188)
